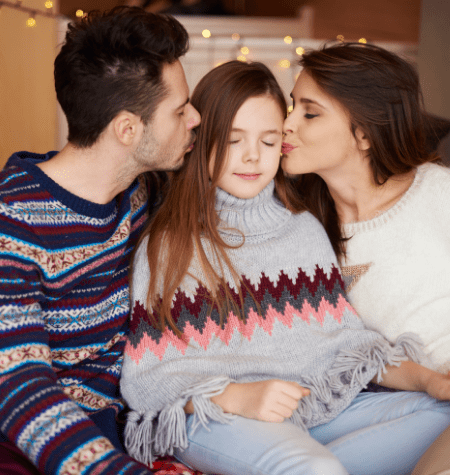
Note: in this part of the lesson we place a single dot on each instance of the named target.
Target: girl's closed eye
(269, 144)
(308, 115)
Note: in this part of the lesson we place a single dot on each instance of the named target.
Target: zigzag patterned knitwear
(64, 306)
(299, 327)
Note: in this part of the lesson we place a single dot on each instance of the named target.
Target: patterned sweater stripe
(299, 326)
(64, 308)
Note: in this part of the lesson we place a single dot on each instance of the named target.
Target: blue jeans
(378, 434)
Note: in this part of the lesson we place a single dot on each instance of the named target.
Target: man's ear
(361, 139)
(127, 127)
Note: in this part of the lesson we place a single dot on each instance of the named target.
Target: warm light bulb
(284, 63)
(235, 36)
(362, 40)
(206, 34)
(48, 4)
(79, 13)
(31, 22)
(242, 58)
(290, 109)
(299, 50)
(340, 37)
(245, 50)
(288, 40)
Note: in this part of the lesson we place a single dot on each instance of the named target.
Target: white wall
(434, 56)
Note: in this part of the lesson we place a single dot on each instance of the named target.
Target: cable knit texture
(397, 269)
(307, 331)
(64, 307)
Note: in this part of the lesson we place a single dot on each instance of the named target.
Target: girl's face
(318, 133)
(254, 148)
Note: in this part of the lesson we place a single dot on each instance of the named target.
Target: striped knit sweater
(301, 329)
(63, 319)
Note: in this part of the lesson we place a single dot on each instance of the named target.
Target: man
(68, 223)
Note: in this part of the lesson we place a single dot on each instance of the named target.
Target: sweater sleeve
(35, 413)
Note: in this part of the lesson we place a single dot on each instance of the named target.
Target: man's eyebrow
(182, 105)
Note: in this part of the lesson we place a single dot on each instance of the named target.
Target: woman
(356, 137)
(240, 338)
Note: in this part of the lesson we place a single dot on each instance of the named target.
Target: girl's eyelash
(310, 116)
(269, 144)
(233, 141)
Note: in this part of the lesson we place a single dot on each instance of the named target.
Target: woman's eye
(233, 141)
(310, 116)
(269, 144)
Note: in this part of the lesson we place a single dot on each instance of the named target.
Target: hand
(272, 400)
(438, 386)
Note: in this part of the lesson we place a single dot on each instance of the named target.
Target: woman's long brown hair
(188, 218)
(382, 94)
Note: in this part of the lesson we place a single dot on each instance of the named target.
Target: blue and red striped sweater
(64, 308)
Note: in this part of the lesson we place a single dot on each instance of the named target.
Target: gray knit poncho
(307, 331)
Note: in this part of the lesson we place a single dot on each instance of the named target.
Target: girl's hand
(272, 400)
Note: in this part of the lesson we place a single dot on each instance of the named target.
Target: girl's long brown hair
(188, 218)
(382, 94)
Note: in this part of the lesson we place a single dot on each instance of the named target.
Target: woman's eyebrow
(271, 131)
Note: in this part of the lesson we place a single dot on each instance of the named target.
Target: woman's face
(318, 132)
(254, 148)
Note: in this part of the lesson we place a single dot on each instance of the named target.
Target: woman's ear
(361, 139)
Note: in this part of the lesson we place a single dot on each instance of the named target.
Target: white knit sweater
(397, 270)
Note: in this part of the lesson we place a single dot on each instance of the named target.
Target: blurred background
(275, 32)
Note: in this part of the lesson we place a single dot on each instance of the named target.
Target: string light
(32, 12)
(31, 22)
(235, 36)
(284, 63)
(245, 50)
(287, 40)
(241, 58)
(299, 50)
(340, 38)
(206, 34)
(362, 40)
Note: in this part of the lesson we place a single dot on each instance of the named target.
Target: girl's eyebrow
(272, 131)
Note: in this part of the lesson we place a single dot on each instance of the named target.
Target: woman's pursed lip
(287, 147)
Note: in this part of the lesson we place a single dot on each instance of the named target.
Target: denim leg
(384, 433)
(250, 447)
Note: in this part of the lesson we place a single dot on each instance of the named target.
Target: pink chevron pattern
(234, 323)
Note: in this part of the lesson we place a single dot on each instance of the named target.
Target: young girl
(241, 335)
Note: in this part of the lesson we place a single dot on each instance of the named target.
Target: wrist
(227, 399)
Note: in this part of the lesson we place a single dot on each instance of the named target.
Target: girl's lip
(287, 147)
(248, 176)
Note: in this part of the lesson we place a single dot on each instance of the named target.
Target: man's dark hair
(112, 62)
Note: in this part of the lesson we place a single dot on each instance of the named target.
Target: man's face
(169, 135)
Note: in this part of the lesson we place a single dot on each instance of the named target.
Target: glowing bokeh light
(340, 37)
(31, 22)
(48, 4)
(299, 50)
(79, 13)
(284, 63)
(245, 50)
(235, 36)
(241, 58)
(287, 40)
(206, 34)
(362, 40)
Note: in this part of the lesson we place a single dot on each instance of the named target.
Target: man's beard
(149, 153)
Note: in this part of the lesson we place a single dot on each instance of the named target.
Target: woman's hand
(438, 386)
(272, 400)
(411, 376)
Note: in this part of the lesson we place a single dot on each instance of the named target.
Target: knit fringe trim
(352, 370)
(149, 433)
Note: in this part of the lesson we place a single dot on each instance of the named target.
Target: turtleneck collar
(262, 214)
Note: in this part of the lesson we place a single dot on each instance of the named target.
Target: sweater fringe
(146, 437)
(353, 369)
